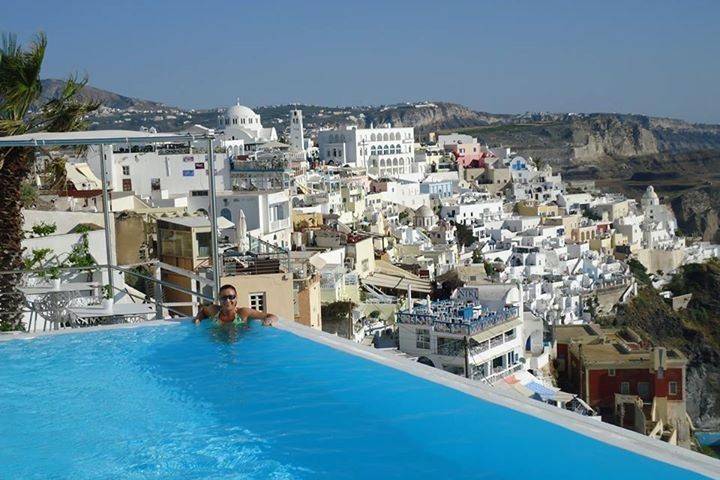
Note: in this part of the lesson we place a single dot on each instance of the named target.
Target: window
(625, 388)
(126, 169)
(643, 389)
(452, 347)
(422, 338)
(672, 388)
(154, 184)
(203, 243)
(257, 301)
(198, 193)
(611, 372)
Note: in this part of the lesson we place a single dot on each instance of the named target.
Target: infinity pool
(187, 401)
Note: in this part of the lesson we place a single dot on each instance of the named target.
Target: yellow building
(307, 302)
(533, 208)
(583, 234)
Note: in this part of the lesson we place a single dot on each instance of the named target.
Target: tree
(337, 318)
(465, 235)
(22, 111)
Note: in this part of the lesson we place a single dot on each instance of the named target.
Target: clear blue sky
(652, 57)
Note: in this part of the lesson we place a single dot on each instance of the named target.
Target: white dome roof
(240, 111)
(424, 211)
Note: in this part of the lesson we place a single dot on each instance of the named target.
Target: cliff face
(694, 331)
(601, 136)
(697, 212)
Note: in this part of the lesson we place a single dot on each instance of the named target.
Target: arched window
(386, 150)
(398, 148)
(382, 162)
(385, 136)
(225, 212)
(372, 137)
(394, 162)
(372, 150)
(392, 149)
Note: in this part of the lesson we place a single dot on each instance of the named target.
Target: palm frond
(20, 83)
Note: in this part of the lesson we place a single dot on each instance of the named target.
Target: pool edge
(603, 432)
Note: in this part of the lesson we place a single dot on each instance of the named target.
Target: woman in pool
(228, 312)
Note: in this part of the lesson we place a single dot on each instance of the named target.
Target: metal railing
(458, 325)
(39, 299)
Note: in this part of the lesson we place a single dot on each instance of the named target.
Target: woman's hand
(269, 319)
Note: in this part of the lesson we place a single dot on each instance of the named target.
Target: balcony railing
(281, 224)
(80, 297)
(443, 322)
(500, 372)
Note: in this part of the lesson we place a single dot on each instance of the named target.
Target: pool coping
(603, 432)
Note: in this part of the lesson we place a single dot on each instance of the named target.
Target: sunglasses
(228, 297)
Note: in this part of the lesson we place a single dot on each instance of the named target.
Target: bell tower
(297, 138)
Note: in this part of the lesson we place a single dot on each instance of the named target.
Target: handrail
(162, 308)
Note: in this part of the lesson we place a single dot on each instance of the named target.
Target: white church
(240, 129)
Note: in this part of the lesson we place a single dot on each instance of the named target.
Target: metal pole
(213, 219)
(106, 215)
(467, 358)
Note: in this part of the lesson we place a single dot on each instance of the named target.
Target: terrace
(449, 317)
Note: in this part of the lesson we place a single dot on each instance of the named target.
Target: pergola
(126, 137)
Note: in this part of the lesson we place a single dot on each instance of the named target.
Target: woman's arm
(205, 312)
(245, 313)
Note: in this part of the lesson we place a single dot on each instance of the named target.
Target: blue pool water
(187, 401)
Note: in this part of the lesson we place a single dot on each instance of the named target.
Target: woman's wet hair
(227, 286)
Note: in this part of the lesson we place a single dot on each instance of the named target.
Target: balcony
(260, 166)
(260, 258)
(500, 372)
(281, 224)
(63, 297)
(446, 319)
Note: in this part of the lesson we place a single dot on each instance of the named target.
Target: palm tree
(23, 111)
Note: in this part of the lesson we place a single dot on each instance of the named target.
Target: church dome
(424, 211)
(240, 111)
(650, 197)
(239, 117)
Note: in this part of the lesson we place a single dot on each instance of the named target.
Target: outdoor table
(52, 302)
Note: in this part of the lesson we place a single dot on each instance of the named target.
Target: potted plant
(54, 274)
(108, 300)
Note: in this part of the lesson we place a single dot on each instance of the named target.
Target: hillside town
(465, 257)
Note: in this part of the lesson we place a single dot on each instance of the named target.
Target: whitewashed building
(381, 151)
(477, 333)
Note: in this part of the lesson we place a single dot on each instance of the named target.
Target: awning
(96, 137)
(223, 223)
(398, 282)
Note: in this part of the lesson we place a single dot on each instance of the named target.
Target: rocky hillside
(697, 212)
(52, 87)
(695, 331)
(591, 140)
